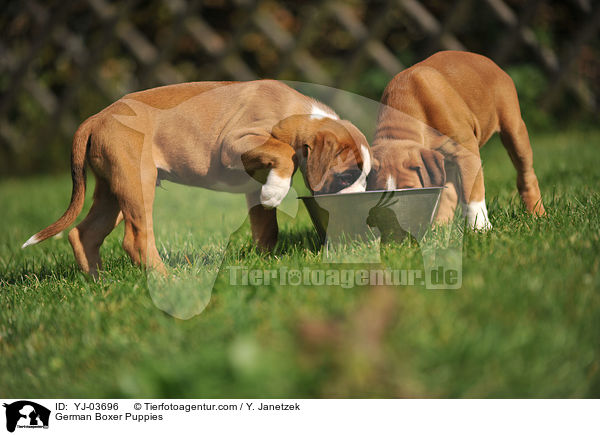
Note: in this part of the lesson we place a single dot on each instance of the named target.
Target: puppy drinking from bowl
(434, 118)
(240, 137)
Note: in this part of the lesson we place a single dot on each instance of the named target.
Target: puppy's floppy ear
(429, 165)
(318, 154)
(435, 171)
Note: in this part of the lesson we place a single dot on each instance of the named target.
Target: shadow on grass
(305, 239)
(241, 248)
(34, 270)
(30, 271)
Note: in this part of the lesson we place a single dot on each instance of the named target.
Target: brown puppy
(238, 137)
(434, 118)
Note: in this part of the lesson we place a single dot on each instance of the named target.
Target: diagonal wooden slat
(459, 14)
(215, 46)
(507, 44)
(430, 24)
(586, 32)
(546, 56)
(300, 57)
(43, 26)
(369, 42)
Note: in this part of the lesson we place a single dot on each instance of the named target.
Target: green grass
(526, 322)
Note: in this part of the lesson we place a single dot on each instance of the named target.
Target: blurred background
(61, 62)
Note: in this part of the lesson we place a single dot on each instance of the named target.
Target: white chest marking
(390, 183)
(360, 185)
(274, 190)
(477, 215)
(317, 112)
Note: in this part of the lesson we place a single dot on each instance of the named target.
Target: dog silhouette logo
(26, 414)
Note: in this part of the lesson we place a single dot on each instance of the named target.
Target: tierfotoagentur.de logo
(25, 414)
(345, 278)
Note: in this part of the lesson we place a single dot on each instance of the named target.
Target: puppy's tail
(78, 155)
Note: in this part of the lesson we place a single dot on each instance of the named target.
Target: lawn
(526, 322)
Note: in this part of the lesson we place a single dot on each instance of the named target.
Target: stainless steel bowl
(388, 214)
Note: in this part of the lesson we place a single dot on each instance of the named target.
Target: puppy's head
(333, 154)
(402, 166)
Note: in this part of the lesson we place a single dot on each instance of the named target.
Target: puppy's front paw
(481, 225)
(274, 190)
(477, 216)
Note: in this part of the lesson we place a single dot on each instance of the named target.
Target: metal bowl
(389, 214)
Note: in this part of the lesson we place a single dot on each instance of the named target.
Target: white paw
(477, 216)
(274, 190)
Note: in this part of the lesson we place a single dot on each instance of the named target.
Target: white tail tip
(32, 241)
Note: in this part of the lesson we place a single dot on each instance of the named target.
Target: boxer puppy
(245, 137)
(434, 118)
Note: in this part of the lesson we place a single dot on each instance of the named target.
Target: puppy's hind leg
(87, 237)
(136, 198)
(516, 141)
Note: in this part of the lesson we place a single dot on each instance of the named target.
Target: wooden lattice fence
(62, 61)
